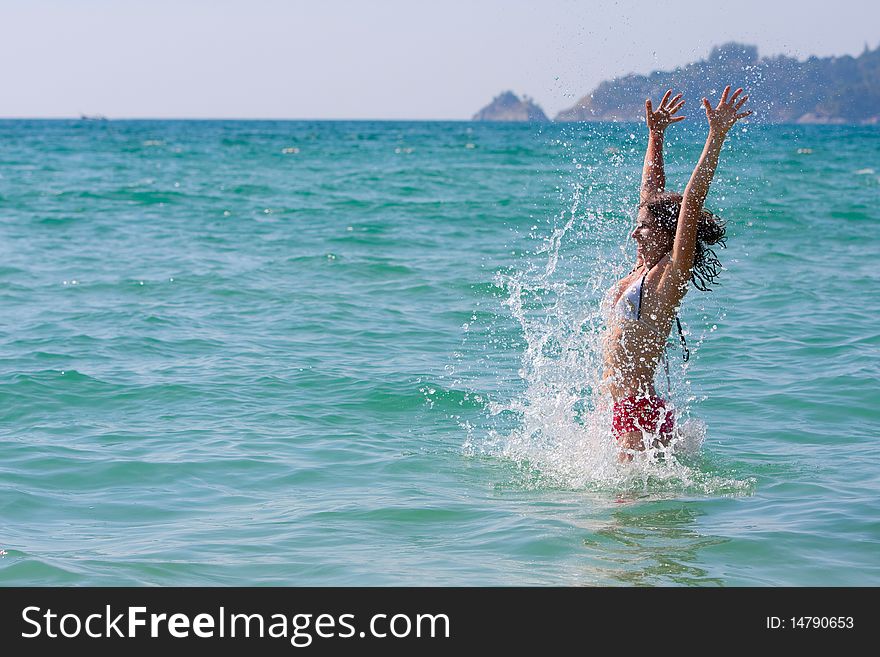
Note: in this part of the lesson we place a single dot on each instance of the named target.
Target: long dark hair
(665, 208)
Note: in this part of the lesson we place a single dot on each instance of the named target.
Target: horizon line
(98, 118)
(92, 119)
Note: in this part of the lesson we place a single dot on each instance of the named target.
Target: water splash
(557, 426)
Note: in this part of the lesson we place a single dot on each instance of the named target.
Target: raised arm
(721, 120)
(653, 176)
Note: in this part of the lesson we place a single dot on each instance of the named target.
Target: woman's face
(648, 235)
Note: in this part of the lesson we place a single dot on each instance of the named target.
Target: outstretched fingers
(674, 100)
(727, 112)
(664, 115)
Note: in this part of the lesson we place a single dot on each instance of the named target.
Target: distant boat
(93, 117)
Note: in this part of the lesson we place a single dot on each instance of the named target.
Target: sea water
(366, 353)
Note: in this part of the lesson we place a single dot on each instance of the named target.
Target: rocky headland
(507, 106)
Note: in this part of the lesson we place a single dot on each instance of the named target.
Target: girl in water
(673, 234)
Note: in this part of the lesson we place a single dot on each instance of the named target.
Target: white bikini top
(629, 305)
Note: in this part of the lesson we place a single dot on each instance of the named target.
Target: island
(507, 106)
(784, 90)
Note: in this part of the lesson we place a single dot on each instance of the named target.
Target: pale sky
(375, 59)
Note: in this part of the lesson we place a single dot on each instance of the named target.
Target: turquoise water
(356, 353)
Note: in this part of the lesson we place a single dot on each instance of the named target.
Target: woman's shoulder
(661, 290)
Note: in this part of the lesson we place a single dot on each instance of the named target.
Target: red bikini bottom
(646, 414)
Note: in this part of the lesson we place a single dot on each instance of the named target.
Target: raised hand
(722, 117)
(665, 115)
